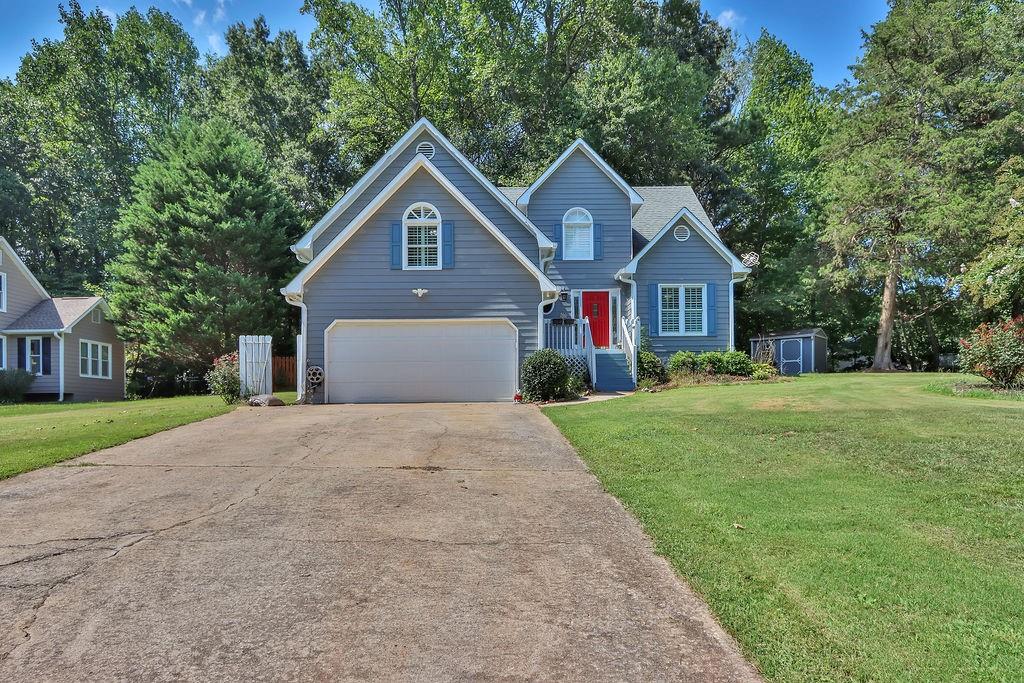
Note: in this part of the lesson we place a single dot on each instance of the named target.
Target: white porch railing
(630, 342)
(573, 340)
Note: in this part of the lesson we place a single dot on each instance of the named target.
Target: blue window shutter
(46, 355)
(653, 296)
(396, 246)
(558, 241)
(598, 241)
(712, 309)
(22, 355)
(447, 245)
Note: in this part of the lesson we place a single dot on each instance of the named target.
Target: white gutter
(544, 301)
(300, 372)
(60, 373)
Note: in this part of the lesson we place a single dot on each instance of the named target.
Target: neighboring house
(67, 342)
(426, 282)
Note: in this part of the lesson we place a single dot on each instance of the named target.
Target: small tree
(996, 352)
(205, 247)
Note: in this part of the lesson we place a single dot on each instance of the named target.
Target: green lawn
(37, 435)
(881, 526)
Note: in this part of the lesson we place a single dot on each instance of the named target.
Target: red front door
(595, 307)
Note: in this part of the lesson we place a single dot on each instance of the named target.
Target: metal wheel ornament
(315, 375)
(750, 259)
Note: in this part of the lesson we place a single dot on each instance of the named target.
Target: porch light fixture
(420, 292)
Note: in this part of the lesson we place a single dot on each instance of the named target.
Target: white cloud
(216, 43)
(730, 18)
(200, 18)
(186, 3)
(218, 14)
(108, 12)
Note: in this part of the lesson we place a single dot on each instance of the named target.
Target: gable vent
(681, 233)
(426, 149)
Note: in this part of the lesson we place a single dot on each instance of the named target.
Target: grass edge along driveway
(34, 435)
(841, 527)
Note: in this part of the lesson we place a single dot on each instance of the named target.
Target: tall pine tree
(205, 247)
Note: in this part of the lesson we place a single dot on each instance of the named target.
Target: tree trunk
(934, 346)
(887, 321)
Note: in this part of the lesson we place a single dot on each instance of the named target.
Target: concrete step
(613, 372)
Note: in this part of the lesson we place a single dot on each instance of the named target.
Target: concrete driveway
(341, 542)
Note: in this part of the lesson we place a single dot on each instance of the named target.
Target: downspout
(544, 301)
(300, 372)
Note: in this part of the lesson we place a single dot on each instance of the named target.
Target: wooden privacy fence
(284, 373)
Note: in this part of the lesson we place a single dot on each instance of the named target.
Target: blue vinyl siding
(479, 195)
(359, 283)
(691, 262)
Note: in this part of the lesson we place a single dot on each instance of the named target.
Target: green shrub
(682, 361)
(725, 363)
(14, 384)
(649, 366)
(545, 376)
(711, 362)
(763, 371)
(575, 387)
(996, 352)
(224, 380)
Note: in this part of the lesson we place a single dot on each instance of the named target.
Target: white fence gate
(255, 365)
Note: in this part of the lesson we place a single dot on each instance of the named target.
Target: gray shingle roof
(661, 203)
(54, 314)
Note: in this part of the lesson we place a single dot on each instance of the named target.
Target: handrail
(588, 347)
(629, 343)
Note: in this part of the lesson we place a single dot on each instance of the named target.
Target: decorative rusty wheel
(315, 375)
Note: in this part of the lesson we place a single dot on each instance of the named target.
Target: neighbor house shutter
(654, 324)
(447, 245)
(46, 355)
(396, 246)
(558, 241)
(598, 241)
(22, 356)
(712, 308)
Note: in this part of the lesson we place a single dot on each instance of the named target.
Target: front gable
(20, 288)
(423, 138)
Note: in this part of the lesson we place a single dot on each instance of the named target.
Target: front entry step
(613, 372)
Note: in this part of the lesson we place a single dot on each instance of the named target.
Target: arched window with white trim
(421, 228)
(577, 235)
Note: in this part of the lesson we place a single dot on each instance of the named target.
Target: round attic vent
(681, 233)
(426, 149)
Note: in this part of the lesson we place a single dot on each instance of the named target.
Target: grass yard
(842, 527)
(41, 434)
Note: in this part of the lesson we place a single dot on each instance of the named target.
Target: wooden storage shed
(794, 351)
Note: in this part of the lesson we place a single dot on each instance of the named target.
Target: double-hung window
(3, 353)
(683, 310)
(94, 359)
(577, 235)
(34, 359)
(3, 292)
(422, 238)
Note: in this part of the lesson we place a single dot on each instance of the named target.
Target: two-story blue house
(426, 282)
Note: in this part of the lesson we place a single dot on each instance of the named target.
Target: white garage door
(378, 361)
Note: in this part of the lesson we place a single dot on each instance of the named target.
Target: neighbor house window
(3, 292)
(97, 315)
(577, 235)
(34, 360)
(422, 228)
(682, 309)
(94, 359)
(3, 353)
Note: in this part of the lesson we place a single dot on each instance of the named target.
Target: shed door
(421, 361)
(791, 356)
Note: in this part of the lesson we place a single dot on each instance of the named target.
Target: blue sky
(826, 32)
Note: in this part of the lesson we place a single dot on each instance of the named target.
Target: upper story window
(682, 310)
(577, 235)
(3, 292)
(421, 229)
(97, 315)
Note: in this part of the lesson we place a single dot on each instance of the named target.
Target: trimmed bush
(996, 352)
(682, 361)
(763, 371)
(224, 380)
(649, 367)
(545, 376)
(725, 363)
(710, 362)
(14, 384)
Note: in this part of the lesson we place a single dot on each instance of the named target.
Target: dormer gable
(580, 146)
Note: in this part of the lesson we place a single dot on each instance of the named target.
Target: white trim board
(20, 265)
(712, 238)
(635, 200)
(295, 287)
(304, 247)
